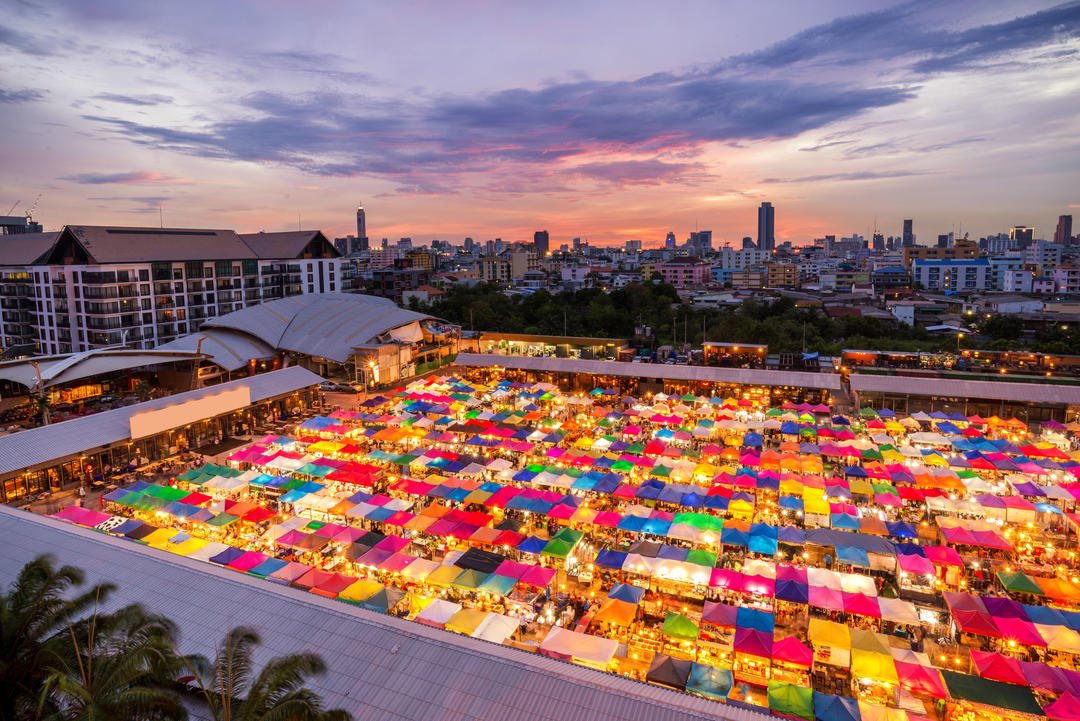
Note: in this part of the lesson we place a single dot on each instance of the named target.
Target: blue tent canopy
(852, 555)
(709, 681)
(756, 619)
(828, 707)
(610, 559)
(532, 544)
(626, 592)
(792, 591)
(792, 535)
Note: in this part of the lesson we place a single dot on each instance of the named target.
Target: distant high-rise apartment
(541, 241)
(1022, 234)
(766, 230)
(361, 229)
(1063, 233)
(633, 246)
(748, 242)
(669, 241)
(909, 233)
(701, 241)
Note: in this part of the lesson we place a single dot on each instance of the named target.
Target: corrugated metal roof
(326, 325)
(378, 666)
(145, 245)
(25, 248)
(59, 369)
(287, 244)
(40, 446)
(950, 387)
(746, 376)
(228, 348)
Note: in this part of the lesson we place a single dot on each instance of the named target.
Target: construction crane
(13, 207)
(30, 213)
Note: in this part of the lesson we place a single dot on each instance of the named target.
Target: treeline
(779, 324)
(591, 312)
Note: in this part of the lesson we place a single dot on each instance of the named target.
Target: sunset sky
(605, 120)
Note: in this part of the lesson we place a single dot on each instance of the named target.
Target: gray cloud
(858, 175)
(419, 143)
(23, 42)
(143, 203)
(21, 96)
(140, 176)
(138, 100)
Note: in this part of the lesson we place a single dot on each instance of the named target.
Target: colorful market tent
(791, 700)
(709, 681)
(580, 647)
(667, 671)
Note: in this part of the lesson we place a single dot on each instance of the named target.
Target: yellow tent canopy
(466, 620)
(828, 633)
(360, 590)
(873, 665)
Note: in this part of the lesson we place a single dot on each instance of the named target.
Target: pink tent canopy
(998, 667)
(719, 614)
(759, 585)
(1023, 632)
(726, 578)
(915, 564)
(943, 556)
(753, 642)
(512, 569)
(539, 576)
(924, 679)
(1067, 708)
(824, 597)
(248, 561)
(793, 651)
(861, 605)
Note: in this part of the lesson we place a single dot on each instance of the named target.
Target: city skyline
(486, 121)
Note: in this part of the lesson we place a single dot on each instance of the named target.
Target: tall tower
(1063, 232)
(541, 242)
(361, 228)
(909, 233)
(766, 231)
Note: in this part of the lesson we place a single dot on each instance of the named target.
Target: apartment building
(961, 249)
(87, 287)
(782, 275)
(1067, 278)
(964, 275)
(493, 269)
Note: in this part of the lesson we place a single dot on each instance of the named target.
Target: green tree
(35, 613)
(235, 691)
(115, 666)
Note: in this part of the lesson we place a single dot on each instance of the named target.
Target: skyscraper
(1022, 234)
(701, 241)
(909, 235)
(541, 242)
(669, 241)
(1063, 233)
(361, 228)
(766, 229)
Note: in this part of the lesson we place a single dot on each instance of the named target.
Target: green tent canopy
(1018, 582)
(677, 625)
(791, 700)
(1010, 696)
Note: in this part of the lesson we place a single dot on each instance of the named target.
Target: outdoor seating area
(790, 559)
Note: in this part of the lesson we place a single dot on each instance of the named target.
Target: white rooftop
(380, 667)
